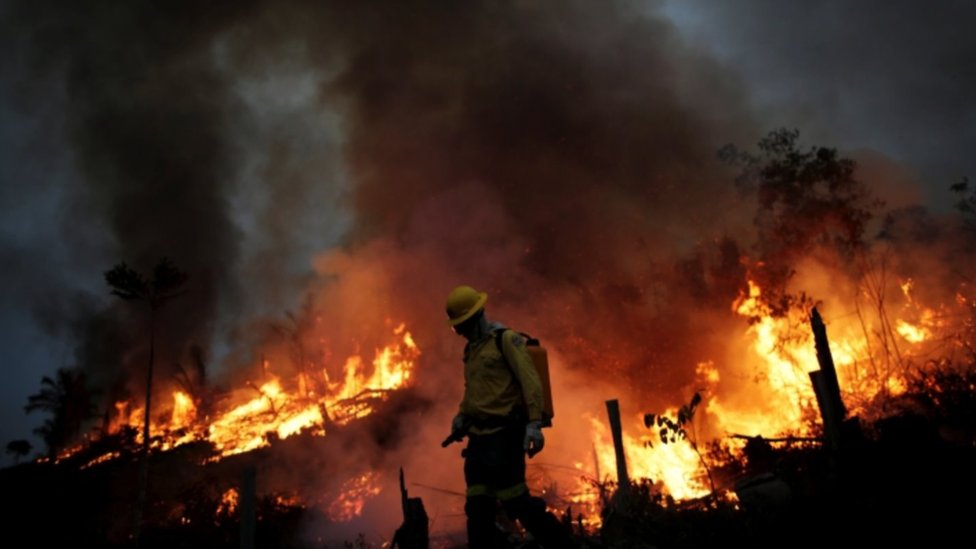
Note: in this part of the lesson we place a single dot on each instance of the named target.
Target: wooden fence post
(623, 479)
(249, 498)
(825, 384)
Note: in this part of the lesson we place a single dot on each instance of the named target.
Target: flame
(779, 401)
(925, 321)
(228, 503)
(353, 496)
(673, 468)
(283, 414)
(912, 333)
(272, 409)
(101, 459)
(764, 389)
(272, 412)
(288, 500)
(786, 358)
(184, 411)
(676, 465)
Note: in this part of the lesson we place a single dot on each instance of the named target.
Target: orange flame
(780, 401)
(274, 411)
(353, 496)
(228, 503)
(284, 414)
(271, 410)
(675, 466)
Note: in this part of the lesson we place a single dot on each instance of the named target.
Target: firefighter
(501, 413)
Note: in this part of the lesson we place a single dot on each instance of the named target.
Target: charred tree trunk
(623, 479)
(413, 533)
(249, 498)
(143, 487)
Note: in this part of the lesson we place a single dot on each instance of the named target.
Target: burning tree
(813, 242)
(807, 200)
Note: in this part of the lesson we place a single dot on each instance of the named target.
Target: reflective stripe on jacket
(491, 392)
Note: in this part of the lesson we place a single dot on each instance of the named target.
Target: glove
(458, 430)
(534, 441)
(457, 424)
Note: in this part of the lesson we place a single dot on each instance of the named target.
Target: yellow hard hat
(462, 303)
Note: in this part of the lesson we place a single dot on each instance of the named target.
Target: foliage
(808, 200)
(642, 517)
(967, 202)
(673, 430)
(69, 401)
(165, 284)
(945, 392)
(19, 448)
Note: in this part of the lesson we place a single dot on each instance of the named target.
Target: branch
(780, 439)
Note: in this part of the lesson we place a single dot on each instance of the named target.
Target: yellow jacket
(491, 392)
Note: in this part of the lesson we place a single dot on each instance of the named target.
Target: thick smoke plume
(556, 155)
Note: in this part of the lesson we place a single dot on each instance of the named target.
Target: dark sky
(895, 77)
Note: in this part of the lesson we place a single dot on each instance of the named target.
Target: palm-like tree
(69, 401)
(166, 283)
(19, 449)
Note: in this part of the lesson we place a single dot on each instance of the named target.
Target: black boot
(543, 525)
(482, 532)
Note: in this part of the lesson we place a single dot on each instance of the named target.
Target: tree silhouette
(18, 449)
(69, 401)
(808, 200)
(166, 283)
(966, 205)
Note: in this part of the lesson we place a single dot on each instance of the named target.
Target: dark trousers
(494, 470)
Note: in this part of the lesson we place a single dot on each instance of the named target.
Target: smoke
(558, 155)
(561, 158)
(145, 117)
(581, 138)
(544, 154)
(351, 163)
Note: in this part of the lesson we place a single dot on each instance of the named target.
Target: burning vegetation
(750, 442)
(256, 414)
(546, 158)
